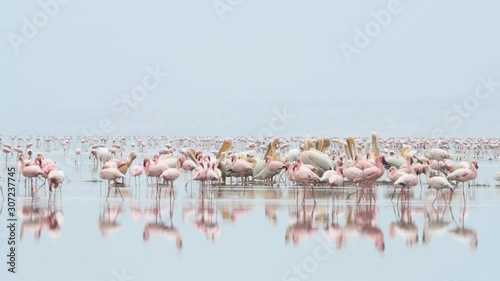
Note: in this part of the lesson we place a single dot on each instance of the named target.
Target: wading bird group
(308, 163)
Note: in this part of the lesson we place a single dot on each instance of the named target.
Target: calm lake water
(261, 233)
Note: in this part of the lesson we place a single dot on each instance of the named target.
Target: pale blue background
(227, 75)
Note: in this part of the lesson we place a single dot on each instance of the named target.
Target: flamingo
(171, 174)
(337, 179)
(6, 150)
(370, 175)
(465, 174)
(188, 165)
(201, 175)
(111, 174)
(438, 183)
(213, 173)
(351, 173)
(437, 154)
(407, 180)
(154, 170)
(55, 177)
(394, 174)
(272, 168)
(31, 172)
(240, 167)
(136, 171)
(304, 176)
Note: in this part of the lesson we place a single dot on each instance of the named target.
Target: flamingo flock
(309, 163)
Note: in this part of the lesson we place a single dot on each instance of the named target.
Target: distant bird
(496, 176)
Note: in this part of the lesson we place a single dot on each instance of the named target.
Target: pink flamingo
(188, 165)
(274, 166)
(408, 177)
(213, 173)
(337, 179)
(154, 170)
(464, 174)
(6, 149)
(171, 174)
(406, 181)
(201, 175)
(394, 174)
(438, 183)
(304, 176)
(369, 176)
(363, 163)
(111, 174)
(136, 171)
(31, 172)
(240, 167)
(55, 177)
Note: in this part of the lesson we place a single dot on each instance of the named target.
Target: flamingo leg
(119, 191)
(394, 193)
(109, 189)
(314, 197)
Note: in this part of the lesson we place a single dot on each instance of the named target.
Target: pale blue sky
(226, 76)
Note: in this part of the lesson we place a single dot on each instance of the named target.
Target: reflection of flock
(336, 223)
(37, 219)
(361, 220)
(240, 168)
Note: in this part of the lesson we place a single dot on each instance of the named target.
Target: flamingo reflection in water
(404, 226)
(205, 215)
(303, 227)
(35, 219)
(333, 231)
(160, 228)
(461, 233)
(435, 224)
(108, 217)
(366, 224)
